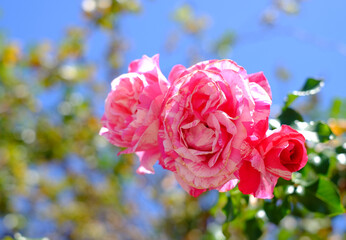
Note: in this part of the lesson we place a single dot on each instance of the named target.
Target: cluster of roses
(208, 124)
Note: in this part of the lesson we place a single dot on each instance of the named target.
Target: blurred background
(60, 180)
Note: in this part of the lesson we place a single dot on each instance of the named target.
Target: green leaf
(289, 116)
(285, 234)
(283, 182)
(290, 99)
(324, 132)
(230, 210)
(311, 87)
(322, 196)
(276, 209)
(327, 192)
(306, 176)
(252, 229)
(320, 163)
(341, 149)
(315, 131)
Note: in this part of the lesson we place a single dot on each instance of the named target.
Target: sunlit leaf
(311, 87)
(289, 116)
(322, 196)
(315, 131)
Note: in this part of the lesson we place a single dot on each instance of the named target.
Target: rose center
(200, 137)
(289, 157)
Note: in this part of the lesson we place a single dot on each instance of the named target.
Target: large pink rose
(210, 110)
(132, 111)
(278, 155)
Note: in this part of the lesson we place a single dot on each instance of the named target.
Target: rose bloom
(210, 110)
(280, 154)
(132, 111)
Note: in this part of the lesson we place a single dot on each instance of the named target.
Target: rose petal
(228, 185)
(176, 73)
(261, 80)
(274, 166)
(249, 179)
(260, 185)
(147, 160)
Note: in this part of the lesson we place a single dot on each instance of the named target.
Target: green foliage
(44, 139)
(313, 190)
(314, 131)
(326, 191)
(289, 116)
(316, 190)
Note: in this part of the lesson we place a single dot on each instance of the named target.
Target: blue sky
(310, 44)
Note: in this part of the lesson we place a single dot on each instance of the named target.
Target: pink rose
(284, 152)
(278, 155)
(132, 110)
(210, 110)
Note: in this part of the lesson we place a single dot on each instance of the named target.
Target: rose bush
(132, 110)
(211, 110)
(208, 125)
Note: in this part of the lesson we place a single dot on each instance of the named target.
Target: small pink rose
(277, 155)
(132, 111)
(284, 152)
